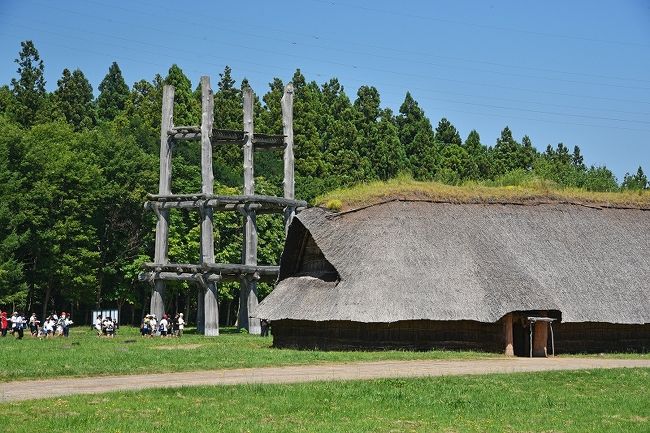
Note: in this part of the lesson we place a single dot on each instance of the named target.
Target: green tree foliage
(600, 179)
(308, 110)
(57, 200)
(417, 137)
(74, 97)
(481, 164)
(228, 114)
(338, 126)
(510, 155)
(29, 88)
(7, 101)
(113, 94)
(13, 289)
(446, 133)
(187, 109)
(637, 181)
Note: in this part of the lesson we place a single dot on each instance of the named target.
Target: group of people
(165, 327)
(54, 325)
(105, 327)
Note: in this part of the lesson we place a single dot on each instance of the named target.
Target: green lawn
(582, 401)
(85, 354)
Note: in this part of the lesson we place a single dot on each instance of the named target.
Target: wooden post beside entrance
(540, 337)
(507, 335)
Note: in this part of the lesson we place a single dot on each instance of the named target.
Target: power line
(418, 55)
(399, 73)
(76, 49)
(477, 25)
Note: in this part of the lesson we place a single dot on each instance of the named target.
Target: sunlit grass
(529, 190)
(85, 354)
(571, 402)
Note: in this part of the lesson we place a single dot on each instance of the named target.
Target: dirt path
(33, 389)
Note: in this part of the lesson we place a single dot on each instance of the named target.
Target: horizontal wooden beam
(238, 269)
(259, 203)
(228, 136)
(183, 276)
(208, 271)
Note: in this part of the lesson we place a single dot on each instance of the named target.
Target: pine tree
(576, 159)
(509, 155)
(74, 97)
(186, 106)
(367, 108)
(29, 88)
(446, 133)
(113, 94)
(228, 108)
(307, 112)
(388, 157)
(637, 181)
(416, 135)
(478, 153)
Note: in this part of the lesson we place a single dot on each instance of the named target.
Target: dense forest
(75, 170)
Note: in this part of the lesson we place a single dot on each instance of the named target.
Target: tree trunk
(46, 301)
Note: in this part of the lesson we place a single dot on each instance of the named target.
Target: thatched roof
(407, 260)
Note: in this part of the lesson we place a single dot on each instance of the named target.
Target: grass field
(85, 354)
(583, 401)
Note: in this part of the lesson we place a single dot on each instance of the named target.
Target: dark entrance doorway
(521, 329)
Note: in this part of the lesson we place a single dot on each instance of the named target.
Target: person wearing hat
(33, 324)
(18, 324)
(181, 324)
(153, 324)
(65, 323)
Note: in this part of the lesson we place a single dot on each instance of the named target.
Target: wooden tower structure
(207, 274)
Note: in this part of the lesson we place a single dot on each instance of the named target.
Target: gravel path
(34, 389)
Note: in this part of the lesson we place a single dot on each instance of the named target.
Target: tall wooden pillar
(287, 130)
(540, 338)
(507, 335)
(210, 305)
(248, 286)
(157, 305)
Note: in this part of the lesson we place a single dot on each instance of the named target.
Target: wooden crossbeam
(227, 136)
(261, 203)
(208, 271)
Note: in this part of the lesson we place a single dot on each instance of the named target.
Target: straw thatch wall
(442, 262)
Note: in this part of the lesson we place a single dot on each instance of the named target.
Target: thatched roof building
(426, 274)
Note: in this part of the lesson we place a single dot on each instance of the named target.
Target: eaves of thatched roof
(408, 260)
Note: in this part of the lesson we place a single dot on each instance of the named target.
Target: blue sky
(559, 71)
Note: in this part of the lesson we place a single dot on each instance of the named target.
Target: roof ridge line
(524, 202)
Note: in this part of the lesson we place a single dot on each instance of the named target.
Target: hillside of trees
(75, 169)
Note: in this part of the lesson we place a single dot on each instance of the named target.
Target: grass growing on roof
(85, 354)
(525, 189)
(601, 401)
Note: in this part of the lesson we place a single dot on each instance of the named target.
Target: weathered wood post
(157, 305)
(507, 335)
(287, 130)
(209, 288)
(540, 337)
(248, 286)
